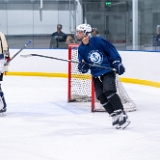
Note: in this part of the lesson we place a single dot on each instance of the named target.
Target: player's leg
(119, 111)
(101, 96)
(110, 109)
(104, 101)
(109, 88)
(3, 106)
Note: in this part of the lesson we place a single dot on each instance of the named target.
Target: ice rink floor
(41, 125)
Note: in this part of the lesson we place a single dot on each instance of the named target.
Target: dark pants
(105, 84)
(105, 88)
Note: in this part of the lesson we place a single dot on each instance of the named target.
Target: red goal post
(78, 79)
(81, 88)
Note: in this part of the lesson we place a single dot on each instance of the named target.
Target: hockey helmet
(86, 28)
(158, 29)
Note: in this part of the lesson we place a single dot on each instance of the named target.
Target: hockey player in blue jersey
(99, 51)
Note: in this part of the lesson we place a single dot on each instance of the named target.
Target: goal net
(81, 88)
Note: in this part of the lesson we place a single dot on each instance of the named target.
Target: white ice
(41, 125)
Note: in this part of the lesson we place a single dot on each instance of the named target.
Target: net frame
(77, 80)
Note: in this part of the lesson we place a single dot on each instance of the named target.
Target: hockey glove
(7, 55)
(83, 67)
(119, 67)
(7, 59)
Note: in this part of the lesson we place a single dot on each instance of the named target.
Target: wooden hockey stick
(18, 52)
(91, 65)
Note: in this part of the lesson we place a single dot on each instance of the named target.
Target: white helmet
(158, 29)
(86, 28)
(158, 26)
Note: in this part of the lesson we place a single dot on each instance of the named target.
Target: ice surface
(41, 125)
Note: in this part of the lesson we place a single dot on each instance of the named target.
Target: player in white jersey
(4, 57)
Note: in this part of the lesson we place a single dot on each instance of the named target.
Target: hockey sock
(106, 104)
(115, 101)
(2, 99)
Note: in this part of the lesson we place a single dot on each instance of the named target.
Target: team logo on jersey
(96, 57)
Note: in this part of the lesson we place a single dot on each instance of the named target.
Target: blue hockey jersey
(99, 51)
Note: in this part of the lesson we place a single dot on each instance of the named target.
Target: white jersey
(3, 43)
(4, 49)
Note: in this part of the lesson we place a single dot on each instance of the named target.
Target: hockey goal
(81, 88)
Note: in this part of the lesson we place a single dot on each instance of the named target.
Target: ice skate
(123, 120)
(115, 120)
(3, 112)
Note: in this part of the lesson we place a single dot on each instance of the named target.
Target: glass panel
(115, 23)
(20, 24)
(149, 18)
(94, 14)
(109, 19)
(22, 20)
(3, 18)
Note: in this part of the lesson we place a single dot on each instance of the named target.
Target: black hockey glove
(83, 67)
(119, 67)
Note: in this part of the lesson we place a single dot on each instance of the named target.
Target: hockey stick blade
(25, 56)
(91, 65)
(19, 52)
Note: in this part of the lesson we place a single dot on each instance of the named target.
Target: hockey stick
(91, 65)
(18, 52)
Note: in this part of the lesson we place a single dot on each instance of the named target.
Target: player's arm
(113, 55)
(4, 47)
(82, 66)
(4, 52)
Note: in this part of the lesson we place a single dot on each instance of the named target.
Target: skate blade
(3, 114)
(117, 126)
(125, 125)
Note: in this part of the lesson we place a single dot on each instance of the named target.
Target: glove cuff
(117, 61)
